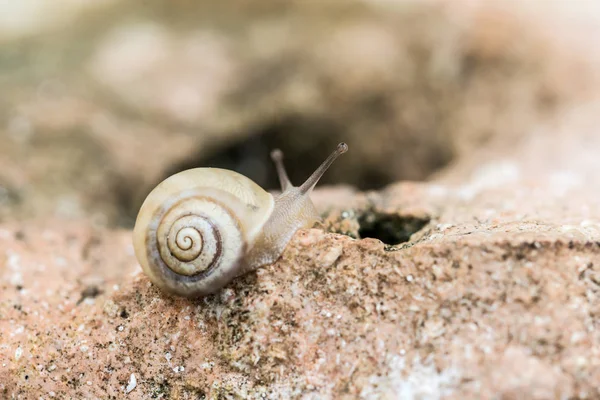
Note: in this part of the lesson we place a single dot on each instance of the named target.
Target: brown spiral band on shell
(191, 236)
(192, 240)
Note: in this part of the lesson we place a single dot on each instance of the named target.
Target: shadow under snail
(201, 228)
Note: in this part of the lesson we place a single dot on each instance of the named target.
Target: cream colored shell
(194, 228)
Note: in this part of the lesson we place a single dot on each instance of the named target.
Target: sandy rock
(492, 283)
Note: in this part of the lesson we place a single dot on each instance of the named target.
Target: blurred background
(101, 100)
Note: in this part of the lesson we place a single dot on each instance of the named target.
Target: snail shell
(200, 228)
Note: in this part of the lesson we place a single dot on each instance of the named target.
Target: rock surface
(496, 295)
(482, 283)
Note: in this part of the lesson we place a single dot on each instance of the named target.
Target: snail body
(201, 228)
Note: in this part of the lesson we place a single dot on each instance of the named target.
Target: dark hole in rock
(305, 142)
(89, 292)
(391, 229)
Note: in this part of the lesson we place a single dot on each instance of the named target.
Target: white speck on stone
(168, 356)
(187, 317)
(89, 301)
(577, 337)
(13, 262)
(443, 227)
(120, 328)
(227, 295)
(178, 369)
(210, 365)
(89, 383)
(18, 331)
(132, 384)
(18, 353)
(409, 278)
(84, 348)
(52, 368)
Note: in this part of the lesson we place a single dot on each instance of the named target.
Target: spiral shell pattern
(191, 236)
(194, 230)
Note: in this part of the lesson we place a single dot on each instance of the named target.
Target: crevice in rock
(89, 292)
(305, 142)
(391, 229)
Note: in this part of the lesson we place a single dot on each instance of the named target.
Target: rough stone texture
(495, 295)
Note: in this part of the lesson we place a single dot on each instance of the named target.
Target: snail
(201, 228)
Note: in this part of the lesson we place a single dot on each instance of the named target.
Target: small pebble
(132, 384)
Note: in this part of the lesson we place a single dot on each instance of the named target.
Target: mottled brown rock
(495, 296)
